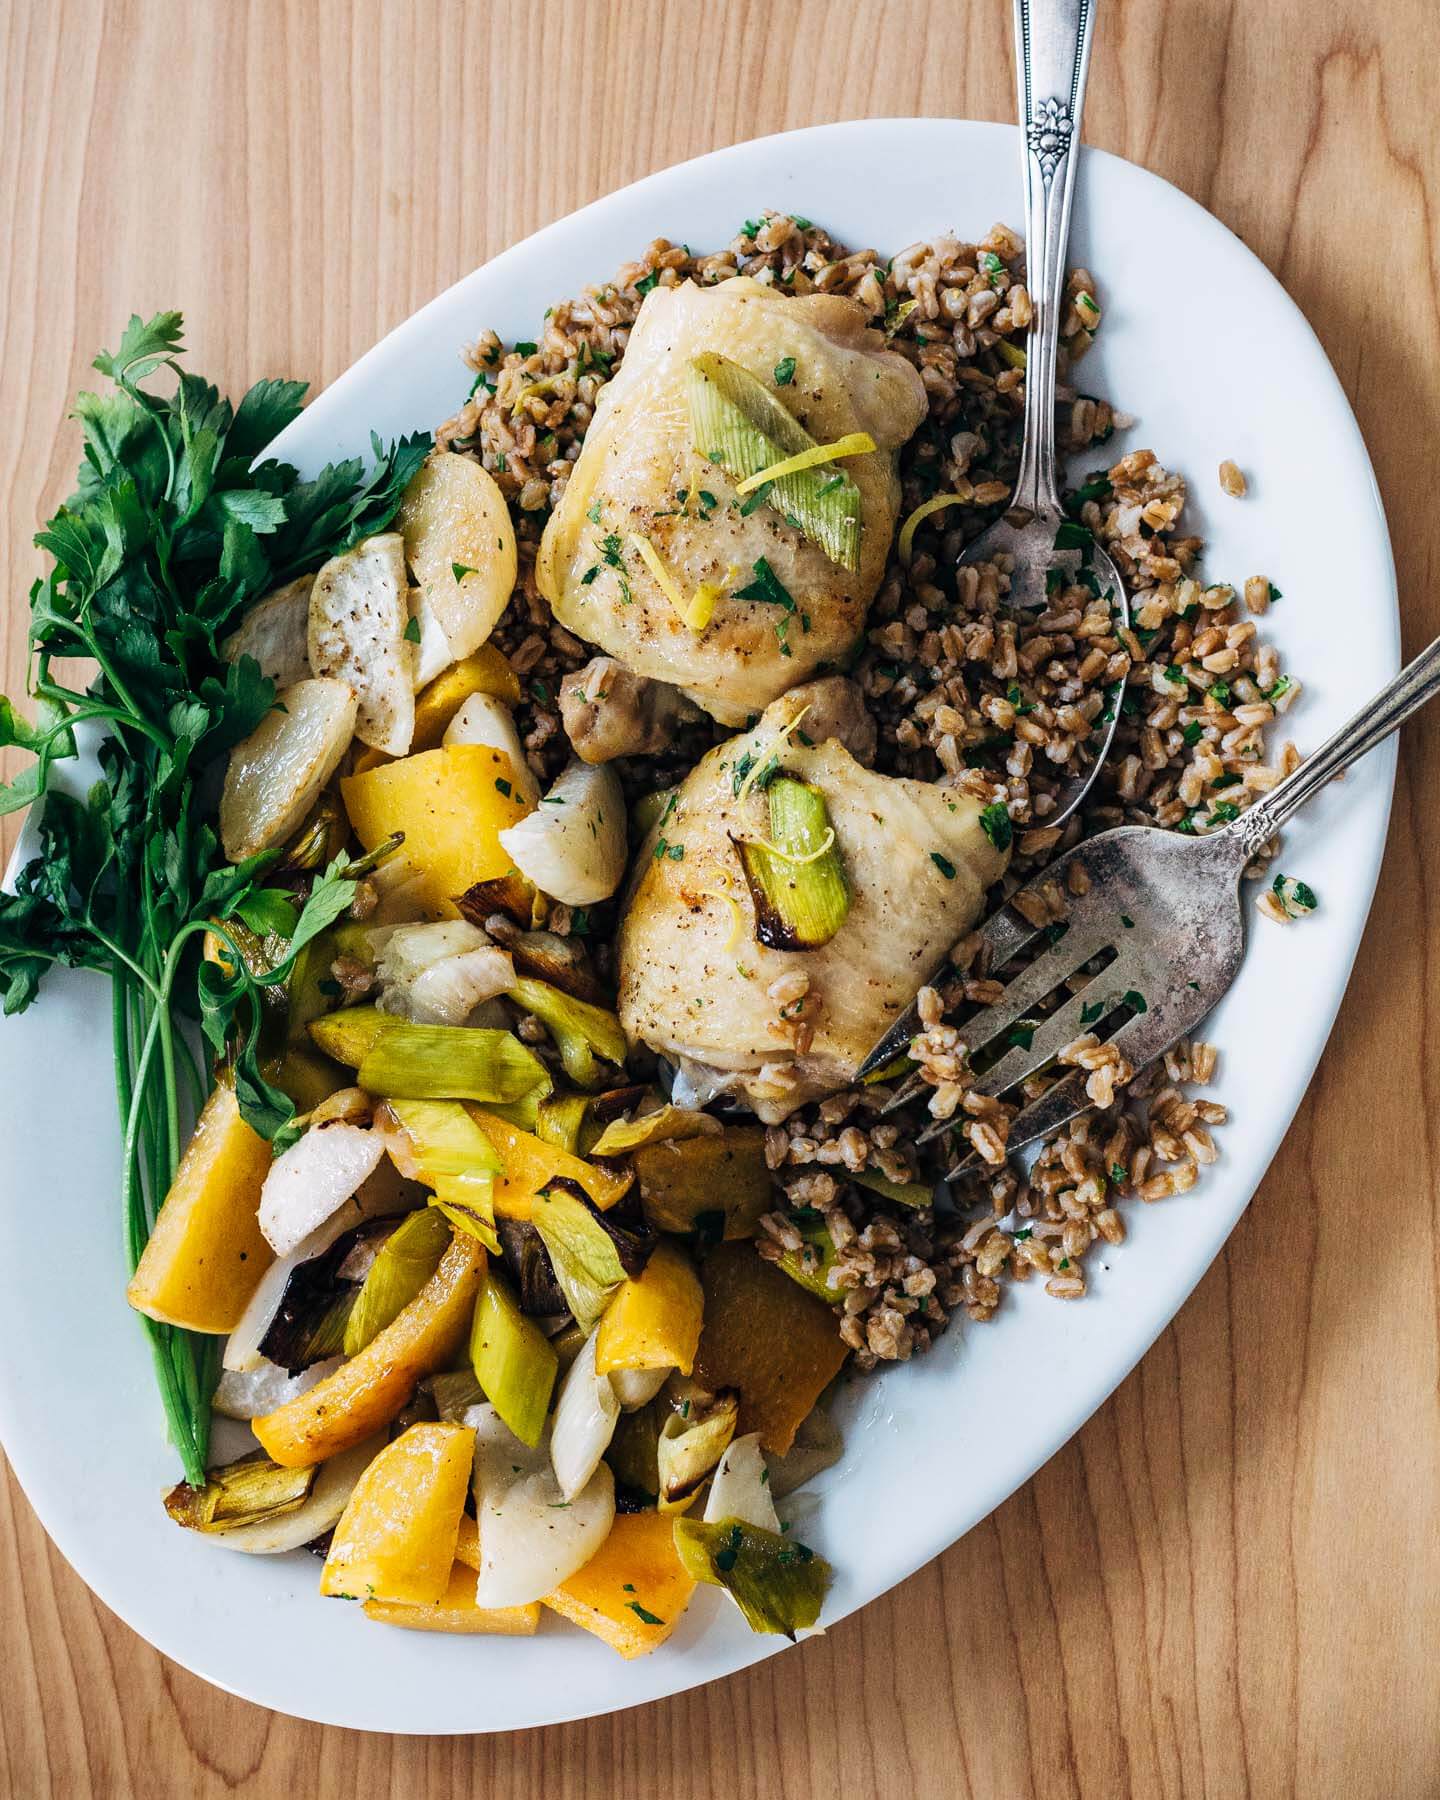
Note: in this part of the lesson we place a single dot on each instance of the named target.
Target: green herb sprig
(174, 530)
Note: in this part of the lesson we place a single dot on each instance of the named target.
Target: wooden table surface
(1227, 1583)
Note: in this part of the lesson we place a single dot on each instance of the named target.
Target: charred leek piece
(513, 1360)
(451, 1062)
(689, 1447)
(351, 1034)
(454, 1392)
(738, 423)
(447, 1145)
(313, 1316)
(590, 1257)
(903, 1193)
(777, 1583)
(666, 1124)
(811, 1264)
(797, 879)
(580, 1031)
(242, 1493)
(405, 1262)
(560, 1119)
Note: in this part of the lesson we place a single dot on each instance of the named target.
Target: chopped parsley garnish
(1018, 700)
(646, 282)
(995, 823)
(767, 586)
(1275, 593)
(785, 371)
(1226, 781)
(1091, 1012)
(752, 227)
(757, 499)
(1220, 693)
(1282, 686)
(1225, 811)
(1134, 1000)
(991, 267)
(1072, 536)
(1096, 488)
(1292, 894)
(540, 692)
(1127, 921)
(944, 864)
(461, 570)
(412, 631)
(835, 481)
(1119, 1174)
(503, 785)
(526, 349)
(676, 852)
(645, 1618)
(707, 500)
(1173, 672)
(593, 515)
(1192, 732)
(589, 574)
(1023, 1034)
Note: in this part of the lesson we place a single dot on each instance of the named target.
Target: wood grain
(1227, 1584)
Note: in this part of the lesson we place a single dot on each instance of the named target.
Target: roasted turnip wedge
(585, 1413)
(276, 633)
(359, 612)
(460, 545)
(740, 1486)
(530, 1539)
(260, 1390)
(573, 845)
(313, 1179)
(482, 719)
(276, 775)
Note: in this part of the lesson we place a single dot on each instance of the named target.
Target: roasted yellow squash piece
(456, 1611)
(367, 1392)
(654, 1320)
(206, 1254)
(633, 1591)
(451, 804)
(396, 1537)
(531, 1165)
(764, 1336)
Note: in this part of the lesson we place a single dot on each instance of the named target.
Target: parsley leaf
(178, 524)
(995, 822)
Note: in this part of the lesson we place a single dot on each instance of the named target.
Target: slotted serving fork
(1166, 907)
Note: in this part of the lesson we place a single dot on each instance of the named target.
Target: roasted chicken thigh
(697, 986)
(650, 519)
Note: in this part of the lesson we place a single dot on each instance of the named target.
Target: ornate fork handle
(1416, 683)
(1052, 58)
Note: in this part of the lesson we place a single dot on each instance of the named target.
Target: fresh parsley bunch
(173, 531)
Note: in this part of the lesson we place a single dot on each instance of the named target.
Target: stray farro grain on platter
(598, 785)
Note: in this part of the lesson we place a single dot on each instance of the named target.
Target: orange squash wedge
(366, 1392)
(633, 1591)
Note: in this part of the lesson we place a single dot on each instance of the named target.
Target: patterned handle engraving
(1050, 131)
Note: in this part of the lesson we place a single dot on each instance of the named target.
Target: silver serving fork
(1167, 908)
(1052, 59)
